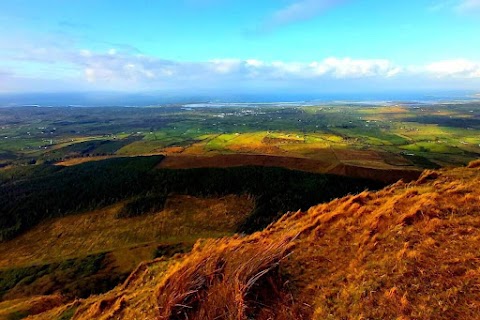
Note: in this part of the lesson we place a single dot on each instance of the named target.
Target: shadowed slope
(365, 170)
(409, 251)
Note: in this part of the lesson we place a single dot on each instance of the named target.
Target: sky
(193, 46)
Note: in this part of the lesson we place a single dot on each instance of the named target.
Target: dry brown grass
(75, 161)
(474, 164)
(225, 280)
(220, 279)
(409, 251)
(31, 306)
(173, 150)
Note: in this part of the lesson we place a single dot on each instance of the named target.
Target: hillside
(32, 194)
(90, 253)
(409, 251)
(75, 231)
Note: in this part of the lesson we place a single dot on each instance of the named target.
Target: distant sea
(91, 99)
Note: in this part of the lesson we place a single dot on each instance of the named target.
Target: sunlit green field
(439, 134)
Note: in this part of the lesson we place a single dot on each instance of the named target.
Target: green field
(443, 134)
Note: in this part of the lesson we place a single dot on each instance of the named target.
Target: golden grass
(216, 282)
(75, 161)
(474, 164)
(185, 219)
(30, 306)
(409, 251)
(394, 254)
(173, 150)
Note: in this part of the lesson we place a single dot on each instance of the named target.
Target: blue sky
(239, 46)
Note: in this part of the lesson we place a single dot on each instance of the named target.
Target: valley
(412, 136)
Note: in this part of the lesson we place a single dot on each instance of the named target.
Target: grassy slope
(409, 251)
(45, 191)
(92, 252)
(184, 219)
(37, 193)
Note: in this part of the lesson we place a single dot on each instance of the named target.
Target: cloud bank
(117, 69)
(460, 68)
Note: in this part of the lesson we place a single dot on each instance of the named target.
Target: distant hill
(409, 251)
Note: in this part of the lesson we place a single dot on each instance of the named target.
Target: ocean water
(90, 99)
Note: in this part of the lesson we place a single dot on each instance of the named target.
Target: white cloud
(118, 67)
(459, 68)
(115, 68)
(143, 72)
(105, 67)
(90, 75)
(350, 68)
(225, 66)
(254, 63)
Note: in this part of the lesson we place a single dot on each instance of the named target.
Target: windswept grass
(409, 251)
(222, 281)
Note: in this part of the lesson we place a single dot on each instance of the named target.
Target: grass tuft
(221, 280)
